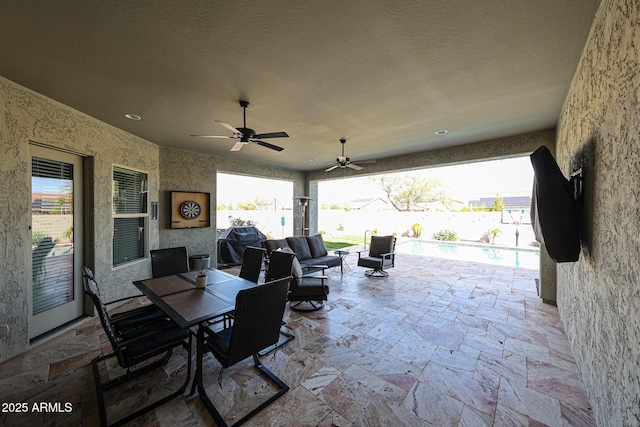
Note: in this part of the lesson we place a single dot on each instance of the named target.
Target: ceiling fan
(345, 162)
(245, 134)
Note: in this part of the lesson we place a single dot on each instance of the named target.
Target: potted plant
(201, 278)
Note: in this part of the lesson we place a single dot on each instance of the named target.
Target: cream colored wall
(599, 296)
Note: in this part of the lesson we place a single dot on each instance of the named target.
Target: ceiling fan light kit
(246, 135)
(345, 162)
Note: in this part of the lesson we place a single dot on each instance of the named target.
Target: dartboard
(190, 209)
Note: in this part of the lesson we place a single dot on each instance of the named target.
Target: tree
(498, 203)
(258, 203)
(404, 192)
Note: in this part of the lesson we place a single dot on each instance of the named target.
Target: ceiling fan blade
(228, 126)
(354, 167)
(238, 145)
(214, 136)
(271, 135)
(267, 145)
(331, 168)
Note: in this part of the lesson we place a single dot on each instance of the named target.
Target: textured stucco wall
(188, 171)
(599, 296)
(27, 116)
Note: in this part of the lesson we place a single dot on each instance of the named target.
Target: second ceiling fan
(246, 135)
(345, 162)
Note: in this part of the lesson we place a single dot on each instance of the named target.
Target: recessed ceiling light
(441, 132)
(133, 116)
(313, 160)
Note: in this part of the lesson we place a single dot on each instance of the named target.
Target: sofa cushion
(316, 246)
(328, 260)
(300, 247)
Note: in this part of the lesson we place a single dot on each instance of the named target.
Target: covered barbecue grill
(233, 241)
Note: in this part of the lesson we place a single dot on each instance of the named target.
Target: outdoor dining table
(189, 306)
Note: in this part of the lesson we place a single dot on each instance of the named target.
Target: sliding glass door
(56, 251)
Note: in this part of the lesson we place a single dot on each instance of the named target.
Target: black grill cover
(233, 241)
(554, 216)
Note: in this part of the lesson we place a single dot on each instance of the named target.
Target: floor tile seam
(469, 376)
(498, 403)
(470, 404)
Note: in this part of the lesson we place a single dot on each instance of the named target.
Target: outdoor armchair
(381, 256)
(307, 292)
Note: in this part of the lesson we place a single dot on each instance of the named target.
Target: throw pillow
(296, 269)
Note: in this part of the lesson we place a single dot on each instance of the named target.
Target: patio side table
(343, 259)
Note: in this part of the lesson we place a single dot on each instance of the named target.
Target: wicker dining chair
(257, 318)
(169, 261)
(252, 263)
(125, 321)
(131, 347)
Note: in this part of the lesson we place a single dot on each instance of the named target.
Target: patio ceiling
(384, 75)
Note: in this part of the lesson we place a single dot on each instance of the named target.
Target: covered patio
(438, 342)
(424, 85)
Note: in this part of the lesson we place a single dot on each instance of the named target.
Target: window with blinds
(130, 215)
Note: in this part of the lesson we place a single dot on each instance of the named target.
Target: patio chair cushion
(308, 287)
(162, 334)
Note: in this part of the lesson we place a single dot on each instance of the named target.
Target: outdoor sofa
(310, 250)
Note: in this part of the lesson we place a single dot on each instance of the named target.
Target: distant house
(370, 204)
(508, 202)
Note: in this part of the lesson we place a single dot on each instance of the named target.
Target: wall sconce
(154, 210)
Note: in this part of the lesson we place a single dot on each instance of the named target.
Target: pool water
(522, 258)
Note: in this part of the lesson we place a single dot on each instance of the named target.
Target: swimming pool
(522, 258)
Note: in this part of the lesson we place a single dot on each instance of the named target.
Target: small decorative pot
(201, 281)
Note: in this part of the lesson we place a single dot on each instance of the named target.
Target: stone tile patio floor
(438, 342)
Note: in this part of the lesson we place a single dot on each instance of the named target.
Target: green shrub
(239, 222)
(446, 235)
(37, 236)
(417, 230)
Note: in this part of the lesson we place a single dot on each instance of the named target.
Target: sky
(509, 177)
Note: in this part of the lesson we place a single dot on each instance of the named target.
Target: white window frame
(144, 216)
